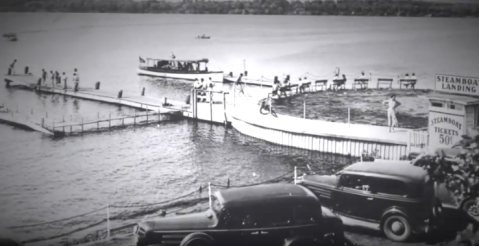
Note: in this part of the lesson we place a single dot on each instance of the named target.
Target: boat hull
(216, 77)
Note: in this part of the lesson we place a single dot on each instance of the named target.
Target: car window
(276, 216)
(240, 218)
(357, 182)
(388, 186)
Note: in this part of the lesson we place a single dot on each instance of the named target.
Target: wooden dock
(22, 121)
(327, 137)
(65, 128)
(116, 98)
(210, 107)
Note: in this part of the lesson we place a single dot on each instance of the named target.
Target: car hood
(330, 180)
(194, 221)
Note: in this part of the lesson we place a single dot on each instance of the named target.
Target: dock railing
(418, 139)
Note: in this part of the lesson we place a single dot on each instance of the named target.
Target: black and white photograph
(239, 122)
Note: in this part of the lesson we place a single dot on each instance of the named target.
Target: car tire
(199, 239)
(397, 228)
(470, 208)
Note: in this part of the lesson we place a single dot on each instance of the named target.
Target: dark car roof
(263, 193)
(400, 169)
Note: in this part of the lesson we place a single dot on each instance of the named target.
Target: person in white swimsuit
(392, 105)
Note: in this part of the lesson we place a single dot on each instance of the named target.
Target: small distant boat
(14, 39)
(178, 69)
(9, 35)
(203, 37)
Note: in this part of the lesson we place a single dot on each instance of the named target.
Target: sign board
(445, 129)
(457, 84)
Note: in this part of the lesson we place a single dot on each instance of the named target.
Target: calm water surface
(43, 179)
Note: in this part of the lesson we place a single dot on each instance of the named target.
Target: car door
(276, 223)
(238, 228)
(388, 193)
(352, 198)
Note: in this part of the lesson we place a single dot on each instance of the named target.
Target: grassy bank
(366, 107)
(256, 7)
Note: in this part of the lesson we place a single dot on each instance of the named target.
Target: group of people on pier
(205, 85)
(57, 79)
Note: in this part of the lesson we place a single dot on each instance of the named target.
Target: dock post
(158, 114)
(224, 109)
(134, 119)
(98, 121)
(43, 121)
(108, 221)
(211, 106)
(143, 91)
(349, 117)
(408, 142)
(295, 175)
(82, 125)
(304, 109)
(270, 104)
(209, 194)
(109, 121)
(97, 85)
(146, 114)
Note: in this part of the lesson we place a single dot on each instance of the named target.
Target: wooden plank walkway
(107, 124)
(325, 128)
(133, 101)
(23, 122)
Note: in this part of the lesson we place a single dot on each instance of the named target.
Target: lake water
(44, 179)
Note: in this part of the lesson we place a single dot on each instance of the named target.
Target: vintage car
(269, 214)
(396, 198)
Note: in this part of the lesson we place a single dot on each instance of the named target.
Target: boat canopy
(174, 60)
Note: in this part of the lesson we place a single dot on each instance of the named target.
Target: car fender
(194, 236)
(300, 240)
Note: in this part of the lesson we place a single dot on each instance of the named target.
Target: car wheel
(471, 208)
(197, 240)
(397, 228)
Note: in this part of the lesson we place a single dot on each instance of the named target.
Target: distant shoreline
(391, 8)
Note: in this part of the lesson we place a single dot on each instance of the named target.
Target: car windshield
(215, 204)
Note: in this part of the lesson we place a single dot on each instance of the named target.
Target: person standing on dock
(52, 77)
(64, 81)
(44, 76)
(58, 77)
(76, 80)
(276, 86)
(12, 67)
(392, 105)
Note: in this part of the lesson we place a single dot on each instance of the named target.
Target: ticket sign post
(453, 110)
(445, 129)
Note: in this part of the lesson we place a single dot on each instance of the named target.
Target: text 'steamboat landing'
(179, 69)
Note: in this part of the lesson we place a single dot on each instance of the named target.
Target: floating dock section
(23, 122)
(204, 105)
